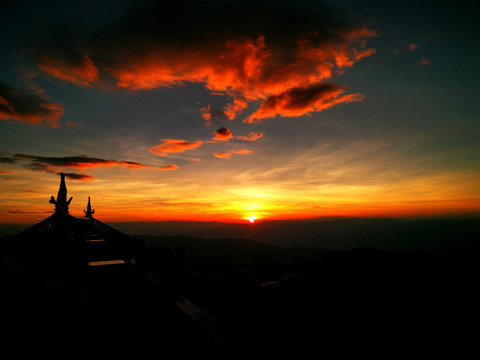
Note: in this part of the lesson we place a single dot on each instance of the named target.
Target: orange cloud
(137, 166)
(169, 146)
(31, 108)
(249, 51)
(168, 167)
(302, 100)
(222, 155)
(253, 136)
(79, 70)
(223, 134)
(226, 155)
(242, 152)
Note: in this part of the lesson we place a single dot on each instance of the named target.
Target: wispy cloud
(79, 177)
(75, 67)
(32, 108)
(227, 155)
(253, 136)
(171, 146)
(302, 100)
(222, 155)
(82, 163)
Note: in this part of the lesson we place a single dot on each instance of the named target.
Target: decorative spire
(61, 204)
(89, 213)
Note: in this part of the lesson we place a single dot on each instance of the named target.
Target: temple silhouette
(68, 266)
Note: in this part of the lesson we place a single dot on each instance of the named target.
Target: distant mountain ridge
(438, 235)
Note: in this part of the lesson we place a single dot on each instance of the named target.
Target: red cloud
(174, 146)
(223, 134)
(247, 70)
(302, 100)
(32, 108)
(82, 71)
(253, 136)
(249, 51)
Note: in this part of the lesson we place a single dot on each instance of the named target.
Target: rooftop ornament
(61, 204)
(89, 213)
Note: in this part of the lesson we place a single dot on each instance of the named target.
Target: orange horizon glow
(106, 213)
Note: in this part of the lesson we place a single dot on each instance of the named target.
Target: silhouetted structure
(61, 204)
(69, 265)
(89, 213)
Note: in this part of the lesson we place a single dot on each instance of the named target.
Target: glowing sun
(251, 218)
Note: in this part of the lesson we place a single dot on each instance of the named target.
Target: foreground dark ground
(358, 301)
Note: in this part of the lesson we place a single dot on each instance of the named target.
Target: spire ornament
(61, 204)
(89, 213)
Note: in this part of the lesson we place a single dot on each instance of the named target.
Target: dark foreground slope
(362, 300)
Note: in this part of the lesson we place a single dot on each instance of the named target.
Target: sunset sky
(224, 110)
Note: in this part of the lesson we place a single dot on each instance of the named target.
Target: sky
(238, 110)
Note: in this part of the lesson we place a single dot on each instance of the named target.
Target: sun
(252, 218)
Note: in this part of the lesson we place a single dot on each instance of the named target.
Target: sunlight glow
(252, 218)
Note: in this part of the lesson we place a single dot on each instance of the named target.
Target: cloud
(223, 134)
(302, 100)
(424, 62)
(52, 164)
(80, 177)
(253, 136)
(168, 167)
(168, 146)
(7, 160)
(413, 47)
(32, 108)
(222, 155)
(75, 162)
(226, 155)
(19, 211)
(242, 152)
(137, 166)
(246, 50)
(209, 113)
(72, 66)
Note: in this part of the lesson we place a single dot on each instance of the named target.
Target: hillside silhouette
(447, 236)
(367, 298)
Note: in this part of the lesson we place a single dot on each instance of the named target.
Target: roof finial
(89, 213)
(61, 204)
